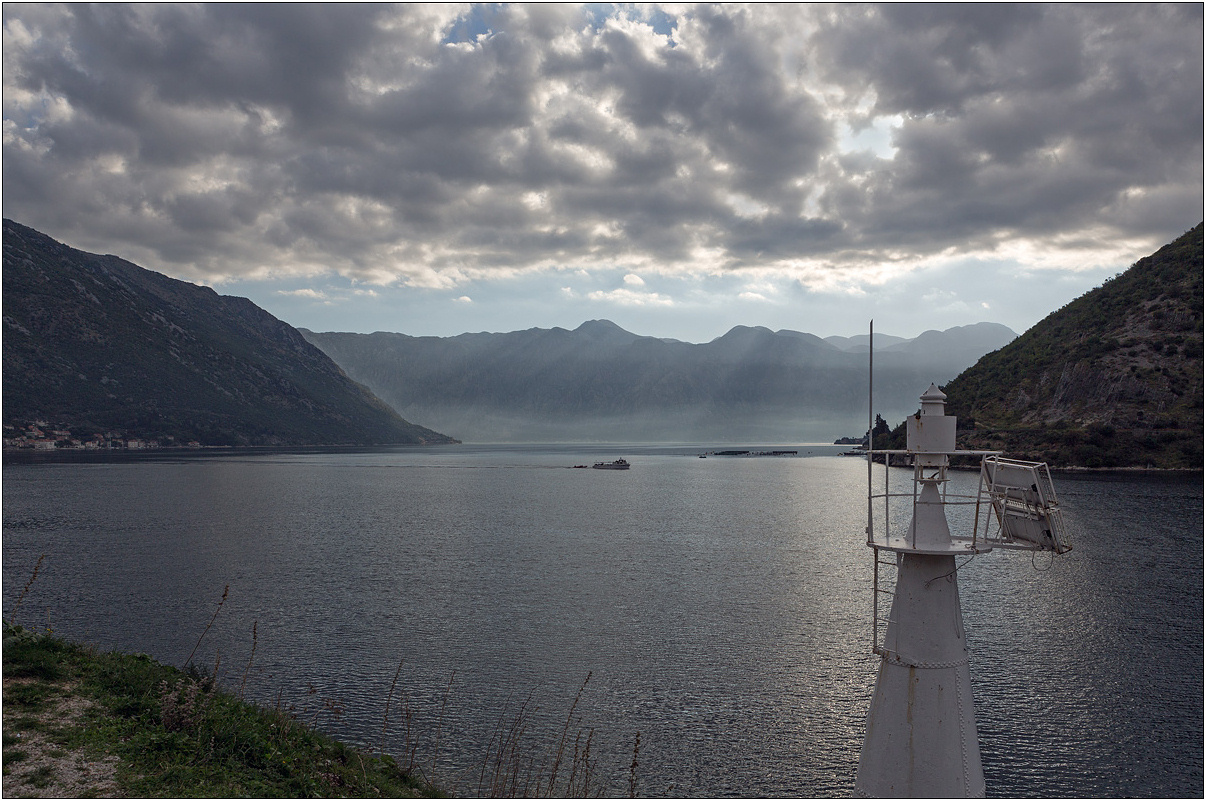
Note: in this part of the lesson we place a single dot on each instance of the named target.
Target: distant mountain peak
(988, 336)
(600, 329)
(598, 325)
(742, 332)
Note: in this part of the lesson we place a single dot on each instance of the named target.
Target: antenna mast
(870, 421)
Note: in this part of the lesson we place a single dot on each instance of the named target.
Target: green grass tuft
(177, 734)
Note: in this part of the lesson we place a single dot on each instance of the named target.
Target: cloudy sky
(676, 169)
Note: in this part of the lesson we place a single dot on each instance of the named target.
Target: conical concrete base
(921, 731)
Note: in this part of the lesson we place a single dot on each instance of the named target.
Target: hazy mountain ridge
(600, 382)
(860, 342)
(1112, 379)
(98, 344)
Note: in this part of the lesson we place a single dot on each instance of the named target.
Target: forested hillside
(1112, 379)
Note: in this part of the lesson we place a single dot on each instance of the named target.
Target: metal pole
(870, 425)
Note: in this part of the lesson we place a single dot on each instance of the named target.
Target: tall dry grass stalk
(581, 770)
(504, 759)
(410, 741)
(332, 705)
(12, 620)
(389, 697)
(632, 769)
(188, 661)
(513, 769)
(435, 754)
(254, 641)
(564, 732)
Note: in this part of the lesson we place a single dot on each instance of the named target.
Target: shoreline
(31, 456)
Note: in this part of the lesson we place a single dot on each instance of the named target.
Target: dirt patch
(37, 765)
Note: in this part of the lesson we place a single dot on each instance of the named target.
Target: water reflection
(722, 606)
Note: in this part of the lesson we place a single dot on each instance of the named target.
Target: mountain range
(101, 349)
(104, 350)
(600, 382)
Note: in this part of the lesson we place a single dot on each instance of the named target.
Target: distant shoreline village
(39, 435)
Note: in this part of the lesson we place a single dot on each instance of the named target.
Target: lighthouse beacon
(921, 730)
(921, 736)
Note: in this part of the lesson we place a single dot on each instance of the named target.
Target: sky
(677, 169)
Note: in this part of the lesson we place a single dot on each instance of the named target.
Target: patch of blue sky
(481, 20)
(876, 137)
(662, 23)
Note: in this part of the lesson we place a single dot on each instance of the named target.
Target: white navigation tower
(921, 736)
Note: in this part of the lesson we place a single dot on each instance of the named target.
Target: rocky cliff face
(1112, 379)
(97, 344)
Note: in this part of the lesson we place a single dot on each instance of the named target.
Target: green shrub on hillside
(1124, 358)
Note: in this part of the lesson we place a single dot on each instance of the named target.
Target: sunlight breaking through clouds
(838, 148)
(630, 297)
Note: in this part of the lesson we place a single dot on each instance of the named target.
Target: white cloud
(763, 288)
(628, 297)
(833, 149)
(312, 294)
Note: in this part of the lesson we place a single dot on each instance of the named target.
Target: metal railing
(878, 535)
(883, 591)
(1015, 507)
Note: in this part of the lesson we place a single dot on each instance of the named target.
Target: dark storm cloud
(435, 143)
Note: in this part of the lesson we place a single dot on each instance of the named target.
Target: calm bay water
(721, 607)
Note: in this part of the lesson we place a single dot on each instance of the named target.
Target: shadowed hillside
(96, 345)
(1113, 379)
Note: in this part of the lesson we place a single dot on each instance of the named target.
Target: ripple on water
(720, 606)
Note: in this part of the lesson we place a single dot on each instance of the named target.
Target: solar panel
(1023, 498)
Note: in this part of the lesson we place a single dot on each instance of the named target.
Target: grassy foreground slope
(81, 723)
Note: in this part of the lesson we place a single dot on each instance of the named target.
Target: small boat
(618, 464)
